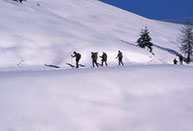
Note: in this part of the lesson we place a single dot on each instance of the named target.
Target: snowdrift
(148, 98)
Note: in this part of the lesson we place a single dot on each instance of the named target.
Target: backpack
(104, 57)
(78, 56)
(120, 55)
(95, 56)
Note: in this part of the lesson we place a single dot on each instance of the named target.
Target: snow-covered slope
(136, 98)
(33, 35)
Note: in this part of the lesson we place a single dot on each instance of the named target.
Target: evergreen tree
(186, 40)
(145, 39)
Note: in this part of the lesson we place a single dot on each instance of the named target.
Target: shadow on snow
(53, 66)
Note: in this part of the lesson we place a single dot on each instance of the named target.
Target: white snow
(147, 94)
(148, 98)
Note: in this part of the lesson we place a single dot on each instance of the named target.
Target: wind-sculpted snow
(148, 98)
(39, 32)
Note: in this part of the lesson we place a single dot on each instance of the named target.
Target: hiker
(175, 61)
(104, 59)
(20, 1)
(94, 56)
(120, 57)
(77, 58)
(181, 59)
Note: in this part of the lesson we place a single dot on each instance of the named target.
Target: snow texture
(148, 98)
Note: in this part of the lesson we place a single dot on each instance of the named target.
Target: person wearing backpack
(77, 57)
(104, 59)
(181, 59)
(120, 57)
(175, 61)
(94, 56)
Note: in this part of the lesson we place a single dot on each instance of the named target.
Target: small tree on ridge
(145, 39)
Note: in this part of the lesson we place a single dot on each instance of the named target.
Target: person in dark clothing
(120, 57)
(77, 58)
(181, 59)
(94, 57)
(104, 59)
(175, 61)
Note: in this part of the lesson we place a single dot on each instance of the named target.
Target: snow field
(152, 97)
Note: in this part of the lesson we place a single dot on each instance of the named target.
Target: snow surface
(148, 94)
(148, 98)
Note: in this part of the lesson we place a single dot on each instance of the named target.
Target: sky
(156, 9)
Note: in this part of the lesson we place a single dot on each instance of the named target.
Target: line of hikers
(94, 56)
